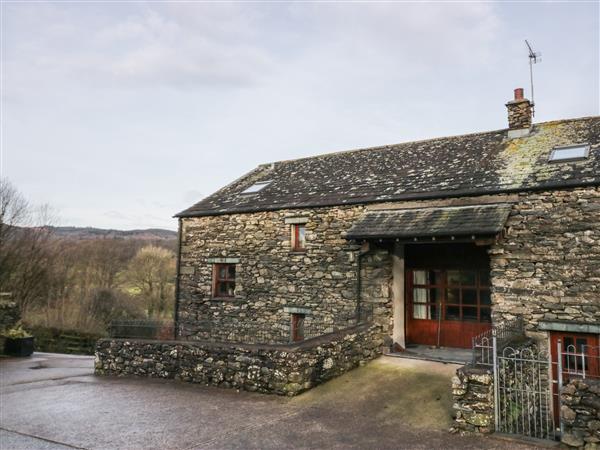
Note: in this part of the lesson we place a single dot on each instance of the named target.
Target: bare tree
(24, 236)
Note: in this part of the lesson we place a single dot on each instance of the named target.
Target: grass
(414, 393)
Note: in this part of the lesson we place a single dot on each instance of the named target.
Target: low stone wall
(282, 370)
(473, 392)
(580, 413)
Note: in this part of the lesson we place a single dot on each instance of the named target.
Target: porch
(440, 265)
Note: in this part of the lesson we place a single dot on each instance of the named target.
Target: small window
(256, 187)
(298, 237)
(572, 153)
(297, 327)
(223, 280)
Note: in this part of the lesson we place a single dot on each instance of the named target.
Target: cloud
(152, 47)
(129, 107)
(189, 46)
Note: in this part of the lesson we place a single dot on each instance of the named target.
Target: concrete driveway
(55, 402)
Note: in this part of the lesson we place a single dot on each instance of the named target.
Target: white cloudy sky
(121, 114)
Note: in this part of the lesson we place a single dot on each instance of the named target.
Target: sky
(121, 114)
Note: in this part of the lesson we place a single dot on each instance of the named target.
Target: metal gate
(523, 393)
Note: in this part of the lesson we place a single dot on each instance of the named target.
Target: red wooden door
(447, 307)
(580, 357)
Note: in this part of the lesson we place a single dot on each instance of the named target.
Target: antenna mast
(534, 58)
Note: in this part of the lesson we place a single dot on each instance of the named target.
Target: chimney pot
(519, 94)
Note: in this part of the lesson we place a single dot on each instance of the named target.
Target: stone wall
(376, 279)
(473, 392)
(580, 413)
(548, 265)
(270, 277)
(9, 312)
(268, 369)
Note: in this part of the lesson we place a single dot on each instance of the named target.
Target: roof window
(256, 187)
(571, 153)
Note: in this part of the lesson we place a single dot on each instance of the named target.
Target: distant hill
(88, 233)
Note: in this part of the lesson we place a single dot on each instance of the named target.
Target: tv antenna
(534, 58)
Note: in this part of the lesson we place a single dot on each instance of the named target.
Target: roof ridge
(420, 141)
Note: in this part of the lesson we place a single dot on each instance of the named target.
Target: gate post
(496, 387)
(559, 368)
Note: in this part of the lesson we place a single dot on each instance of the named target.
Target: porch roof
(479, 220)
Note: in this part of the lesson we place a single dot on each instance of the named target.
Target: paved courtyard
(55, 402)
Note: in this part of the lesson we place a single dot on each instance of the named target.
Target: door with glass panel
(447, 307)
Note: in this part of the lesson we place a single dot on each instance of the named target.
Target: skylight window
(571, 153)
(256, 187)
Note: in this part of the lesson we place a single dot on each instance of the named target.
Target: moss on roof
(470, 164)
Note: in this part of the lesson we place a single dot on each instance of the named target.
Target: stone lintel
(570, 327)
(296, 220)
(297, 310)
(223, 260)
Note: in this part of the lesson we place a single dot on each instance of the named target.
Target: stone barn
(437, 239)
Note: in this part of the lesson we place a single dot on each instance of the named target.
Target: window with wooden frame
(298, 237)
(462, 294)
(297, 327)
(468, 295)
(223, 280)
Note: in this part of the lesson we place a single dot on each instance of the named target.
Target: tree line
(79, 284)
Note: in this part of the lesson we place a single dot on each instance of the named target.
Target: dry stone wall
(268, 369)
(580, 413)
(473, 393)
(548, 265)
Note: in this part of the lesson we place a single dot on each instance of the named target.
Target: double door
(447, 307)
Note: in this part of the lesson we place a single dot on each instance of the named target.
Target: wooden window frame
(443, 285)
(296, 242)
(216, 280)
(297, 327)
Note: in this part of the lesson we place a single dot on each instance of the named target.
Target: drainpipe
(177, 278)
(362, 251)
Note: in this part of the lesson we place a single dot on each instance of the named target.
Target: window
(256, 187)
(297, 328)
(298, 237)
(462, 295)
(571, 153)
(223, 280)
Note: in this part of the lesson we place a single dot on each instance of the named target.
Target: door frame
(594, 368)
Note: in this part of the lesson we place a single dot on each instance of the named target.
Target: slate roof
(471, 164)
(478, 220)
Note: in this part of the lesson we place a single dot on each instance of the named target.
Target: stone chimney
(519, 112)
